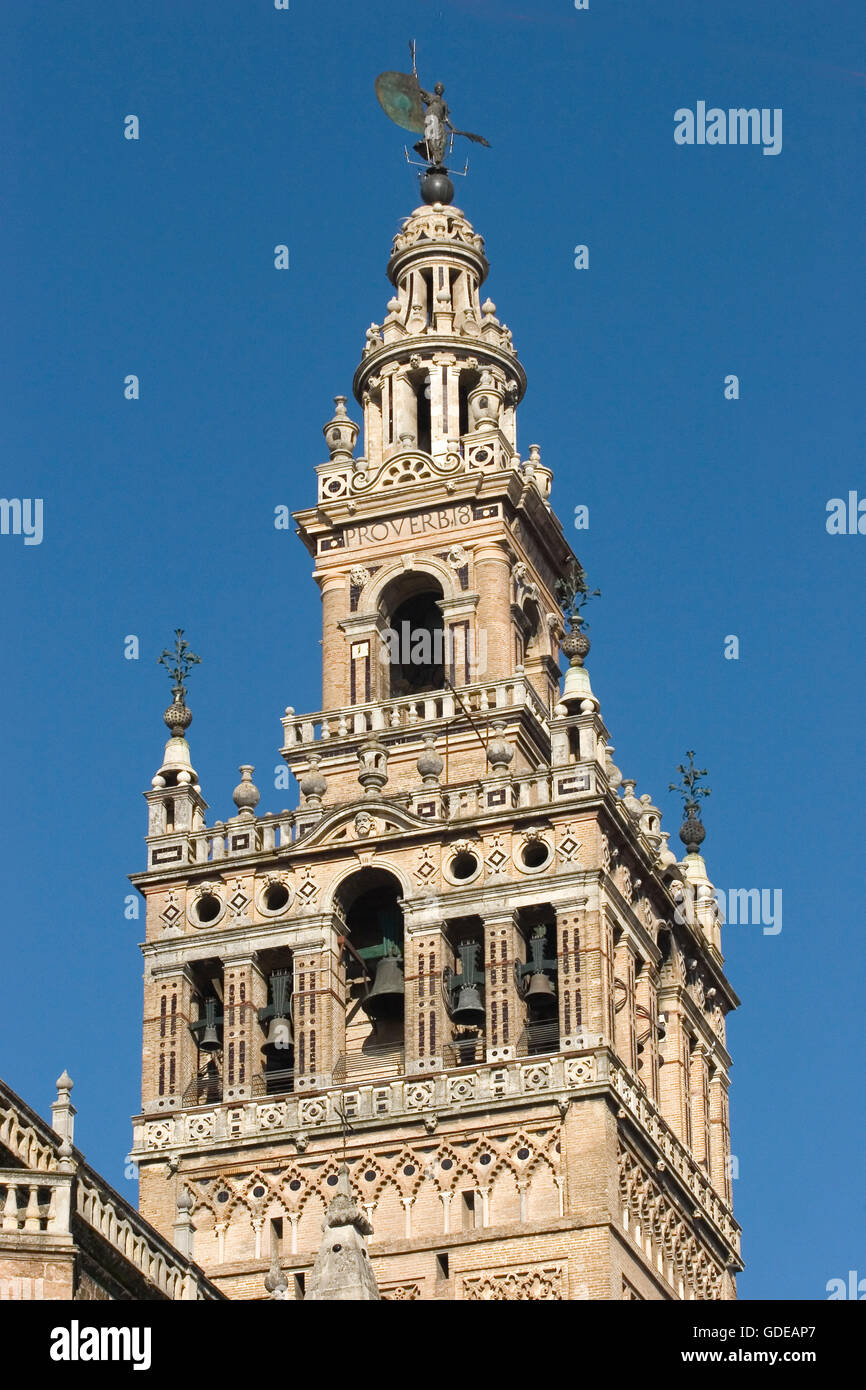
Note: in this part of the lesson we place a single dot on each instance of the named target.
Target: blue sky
(707, 516)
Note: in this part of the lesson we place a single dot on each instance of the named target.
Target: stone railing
(280, 830)
(677, 1155)
(121, 1226)
(32, 1202)
(407, 712)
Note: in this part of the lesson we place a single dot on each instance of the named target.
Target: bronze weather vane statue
(412, 107)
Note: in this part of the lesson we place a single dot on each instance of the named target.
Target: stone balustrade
(407, 712)
(32, 1203)
(276, 831)
(125, 1230)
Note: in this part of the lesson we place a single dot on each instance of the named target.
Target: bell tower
(466, 980)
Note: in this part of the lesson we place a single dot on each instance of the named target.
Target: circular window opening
(208, 907)
(409, 1170)
(447, 1163)
(332, 1180)
(294, 1184)
(222, 1197)
(535, 854)
(370, 1176)
(276, 897)
(485, 1158)
(463, 865)
(522, 1153)
(258, 1192)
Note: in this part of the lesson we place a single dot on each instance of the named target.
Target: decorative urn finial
(341, 433)
(429, 763)
(178, 664)
(692, 830)
(246, 794)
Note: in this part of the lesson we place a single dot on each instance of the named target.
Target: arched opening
(469, 379)
(464, 983)
(276, 1020)
(414, 637)
(370, 902)
(420, 383)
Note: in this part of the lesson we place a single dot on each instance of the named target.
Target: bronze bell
(207, 1037)
(541, 996)
(279, 1034)
(468, 1011)
(384, 1001)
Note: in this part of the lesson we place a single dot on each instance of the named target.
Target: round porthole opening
(276, 897)
(535, 854)
(463, 865)
(207, 908)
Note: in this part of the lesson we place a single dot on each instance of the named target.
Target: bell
(210, 1038)
(541, 996)
(279, 1034)
(385, 1000)
(468, 1011)
(279, 1011)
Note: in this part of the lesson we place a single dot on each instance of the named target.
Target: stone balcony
(432, 711)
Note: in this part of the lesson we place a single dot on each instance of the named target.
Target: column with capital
(505, 1010)
(245, 991)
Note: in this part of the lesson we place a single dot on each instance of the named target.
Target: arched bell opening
(463, 985)
(206, 1030)
(276, 1020)
(538, 980)
(371, 905)
(414, 636)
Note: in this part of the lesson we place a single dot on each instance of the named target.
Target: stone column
(597, 975)
(571, 947)
(245, 991)
(505, 1010)
(720, 1138)
(673, 1075)
(169, 1052)
(319, 1010)
(493, 616)
(334, 664)
(647, 998)
(426, 953)
(405, 412)
(624, 1002)
(698, 1104)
